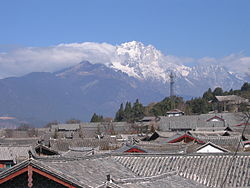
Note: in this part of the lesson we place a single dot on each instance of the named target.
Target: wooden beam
(53, 178)
(15, 174)
(30, 171)
(30, 174)
(185, 136)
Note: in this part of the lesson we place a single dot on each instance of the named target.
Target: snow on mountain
(136, 59)
(213, 76)
(107, 76)
(145, 62)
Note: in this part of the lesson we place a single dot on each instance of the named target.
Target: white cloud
(207, 60)
(237, 62)
(30, 59)
(24, 60)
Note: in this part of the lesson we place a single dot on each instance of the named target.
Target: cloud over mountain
(237, 62)
(31, 59)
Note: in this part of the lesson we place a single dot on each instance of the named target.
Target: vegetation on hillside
(96, 118)
(131, 112)
(199, 105)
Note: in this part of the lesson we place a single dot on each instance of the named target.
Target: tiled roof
(154, 146)
(19, 141)
(213, 145)
(66, 127)
(227, 98)
(209, 170)
(199, 121)
(65, 144)
(127, 147)
(14, 153)
(222, 140)
(174, 111)
(146, 170)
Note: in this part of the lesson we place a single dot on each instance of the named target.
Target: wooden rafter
(30, 169)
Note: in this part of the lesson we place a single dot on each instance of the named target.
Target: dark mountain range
(133, 71)
(75, 92)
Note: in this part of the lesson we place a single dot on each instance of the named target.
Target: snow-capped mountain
(128, 71)
(145, 62)
(149, 64)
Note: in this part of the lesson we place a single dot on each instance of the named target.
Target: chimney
(108, 178)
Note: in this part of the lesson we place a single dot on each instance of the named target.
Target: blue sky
(192, 28)
(47, 35)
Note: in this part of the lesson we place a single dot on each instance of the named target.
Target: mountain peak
(144, 62)
(82, 68)
(133, 44)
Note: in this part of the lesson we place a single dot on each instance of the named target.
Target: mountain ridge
(134, 71)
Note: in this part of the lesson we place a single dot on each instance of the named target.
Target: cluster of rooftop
(168, 151)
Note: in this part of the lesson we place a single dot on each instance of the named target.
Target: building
(193, 122)
(175, 112)
(211, 148)
(127, 148)
(132, 170)
(230, 102)
(11, 155)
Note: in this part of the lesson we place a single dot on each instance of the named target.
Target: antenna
(171, 84)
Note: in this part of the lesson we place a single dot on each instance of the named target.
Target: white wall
(209, 149)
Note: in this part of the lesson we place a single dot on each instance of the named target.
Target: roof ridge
(148, 178)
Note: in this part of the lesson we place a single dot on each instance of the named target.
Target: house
(128, 171)
(225, 140)
(78, 152)
(163, 147)
(183, 137)
(11, 155)
(42, 150)
(127, 148)
(216, 118)
(63, 145)
(242, 124)
(149, 119)
(158, 134)
(214, 129)
(175, 112)
(71, 173)
(230, 102)
(246, 145)
(29, 141)
(32, 173)
(65, 130)
(65, 127)
(209, 147)
(193, 122)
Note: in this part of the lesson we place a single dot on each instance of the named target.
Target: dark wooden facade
(31, 177)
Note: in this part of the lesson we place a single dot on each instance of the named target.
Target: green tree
(218, 91)
(231, 92)
(119, 116)
(160, 109)
(245, 87)
(128, 112)
(208, 95)
(198, 106)
(96, 118)
(137, 110)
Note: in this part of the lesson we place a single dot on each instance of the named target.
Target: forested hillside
(200, 105)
